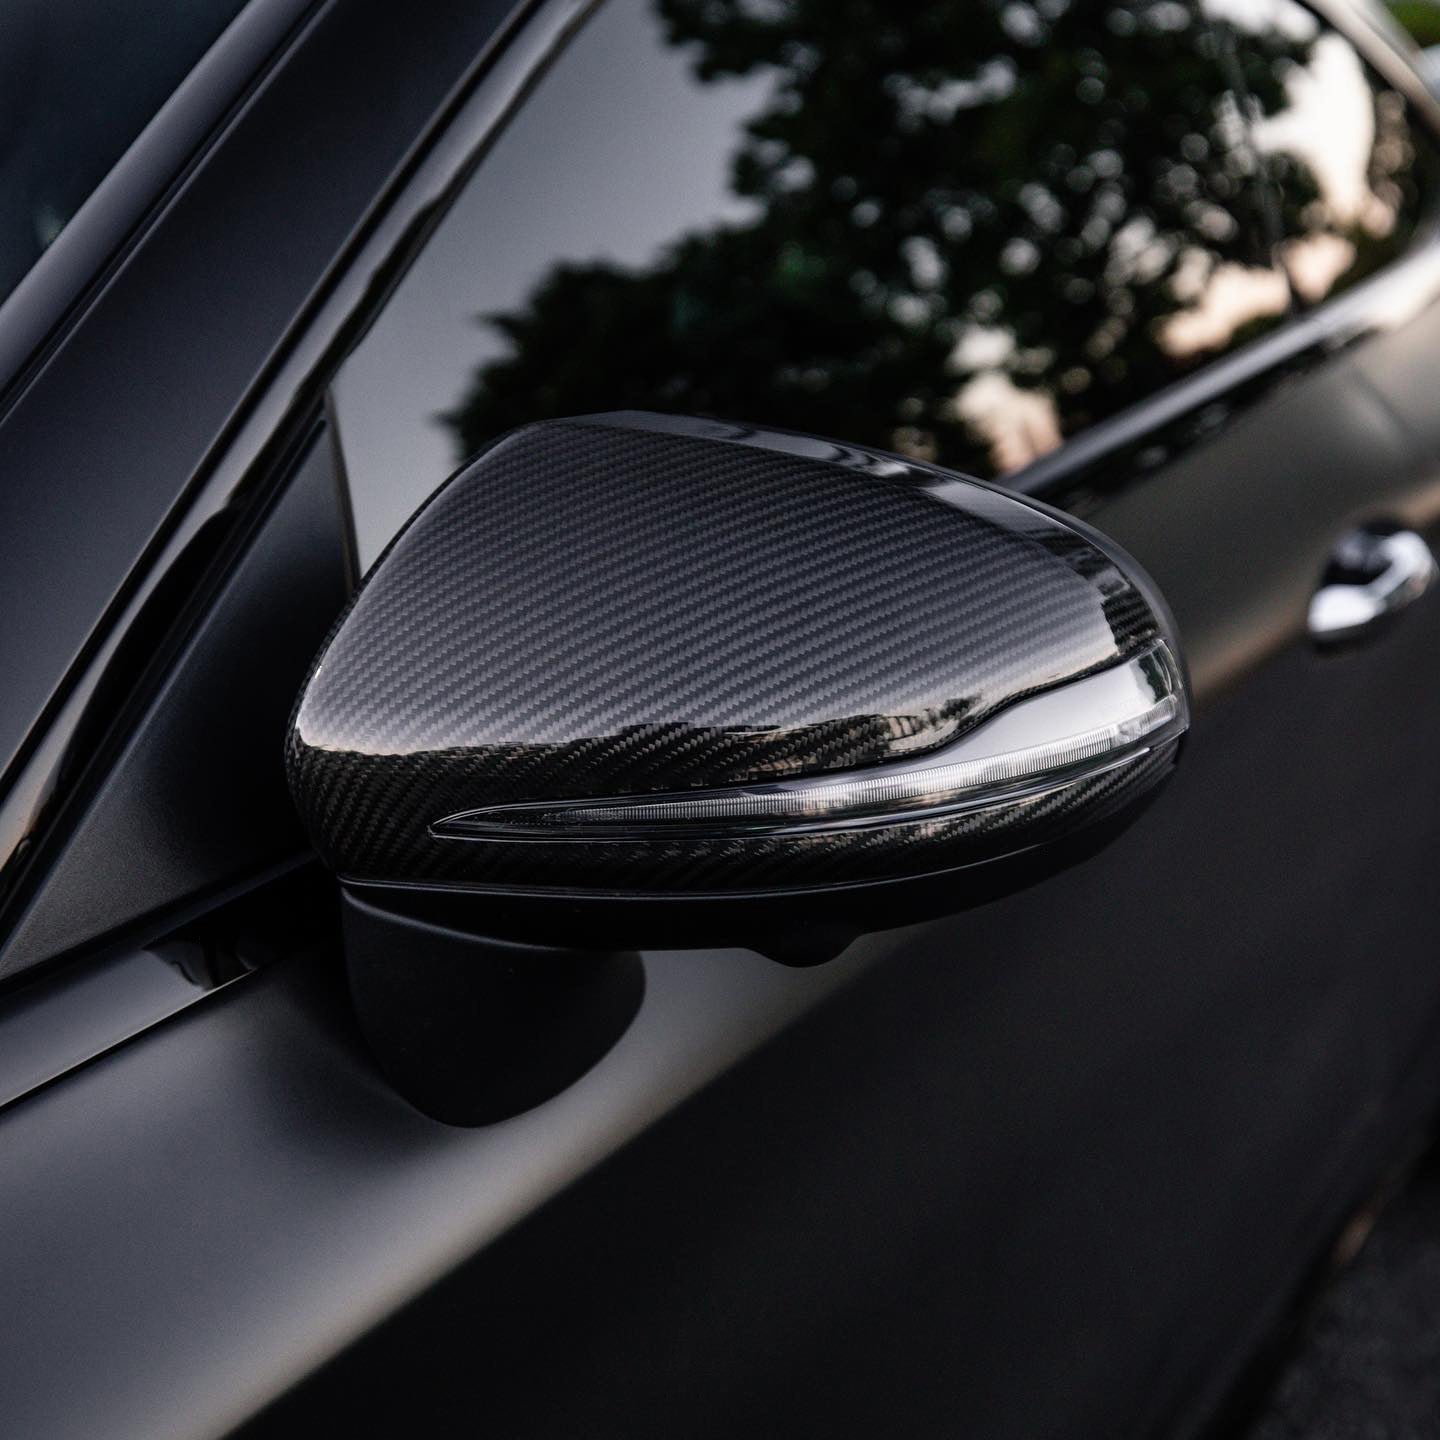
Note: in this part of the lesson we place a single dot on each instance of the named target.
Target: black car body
(1058, 1165)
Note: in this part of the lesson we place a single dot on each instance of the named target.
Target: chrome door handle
(1371, 575)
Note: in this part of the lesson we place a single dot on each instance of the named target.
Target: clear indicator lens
(1057, 738)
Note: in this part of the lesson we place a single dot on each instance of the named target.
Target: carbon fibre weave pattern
(589, 609)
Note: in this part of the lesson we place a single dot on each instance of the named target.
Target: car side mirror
(632, 680)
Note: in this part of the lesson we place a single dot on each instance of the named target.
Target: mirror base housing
(473, 1026)
(472, 1030)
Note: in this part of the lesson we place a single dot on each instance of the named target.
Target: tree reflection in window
(979, 226)
(1353, 178)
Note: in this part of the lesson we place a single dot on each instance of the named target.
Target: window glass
(965, 230)
(79, 80)
(1420, 18)
(1355, 174)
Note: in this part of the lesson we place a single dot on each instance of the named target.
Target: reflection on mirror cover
(978, 226)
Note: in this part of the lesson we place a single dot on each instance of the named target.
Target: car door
(790, 268)
(1054, 1166)
(985, 1173)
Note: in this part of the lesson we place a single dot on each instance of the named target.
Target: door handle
(1372, 575)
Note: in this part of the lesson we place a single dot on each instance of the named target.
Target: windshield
(79, 80)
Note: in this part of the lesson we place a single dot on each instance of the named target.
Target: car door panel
(1042, 1170)
(1237, 532)
(961, 1196)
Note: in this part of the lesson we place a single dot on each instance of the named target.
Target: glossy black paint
(79, 85)
(91, 245)
(1145, 1095)
(55, 1022)
(189, 806)
(200, 311)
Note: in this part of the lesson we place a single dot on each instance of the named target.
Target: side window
(1355, 174)
(966, 232)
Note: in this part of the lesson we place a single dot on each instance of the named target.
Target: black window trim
(113, 217)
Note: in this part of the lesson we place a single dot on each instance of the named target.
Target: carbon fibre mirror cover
(641, 654)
